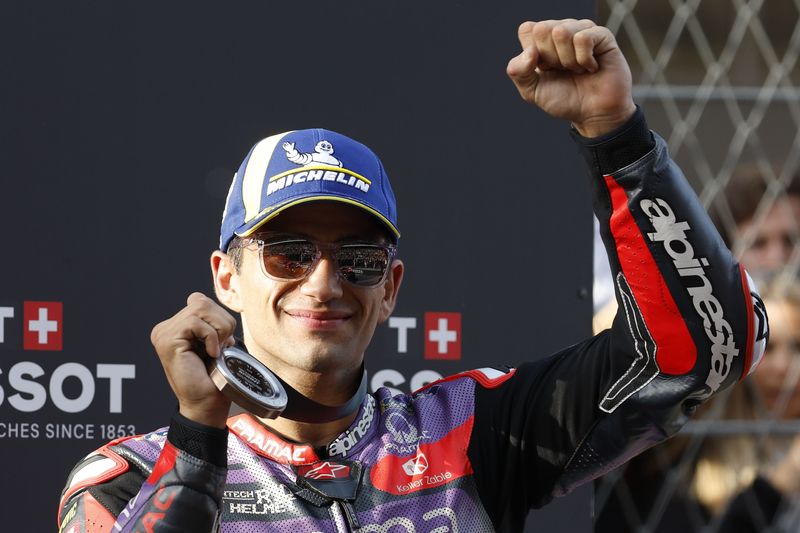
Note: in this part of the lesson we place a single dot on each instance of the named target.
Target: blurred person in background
(759, 222)
(745, 481)
(764, 469)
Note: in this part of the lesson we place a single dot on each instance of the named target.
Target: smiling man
(308, 261)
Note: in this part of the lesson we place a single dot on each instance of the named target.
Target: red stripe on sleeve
(165, 463)
(676, 352)
(751, 330)
(479, 374)
(98, 518)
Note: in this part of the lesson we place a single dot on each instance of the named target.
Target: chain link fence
(718, 79)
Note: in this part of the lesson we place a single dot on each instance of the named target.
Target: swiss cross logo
(43, 325)
(443, 336)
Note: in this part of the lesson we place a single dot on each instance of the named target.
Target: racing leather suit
(474, 452)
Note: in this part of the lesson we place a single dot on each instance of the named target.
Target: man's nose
(778, 252)
(781, 358)
(323, 283)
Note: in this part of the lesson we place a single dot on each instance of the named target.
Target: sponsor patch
(274, 499)
(324, 470)
(265, 443)
(435, 464)
(343, 176)
(322, 155)
(671, 233)
(405, 436)
(416, 466)
(337, 480)
(353, 436)
(677, 353)
(319, 165)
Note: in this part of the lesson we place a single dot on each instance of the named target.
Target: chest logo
(405, 434)
(323, 155)
(416, 466)
(324, 470)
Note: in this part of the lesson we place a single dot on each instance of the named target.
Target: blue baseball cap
(300, 166)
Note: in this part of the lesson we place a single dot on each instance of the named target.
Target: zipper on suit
(344, 517)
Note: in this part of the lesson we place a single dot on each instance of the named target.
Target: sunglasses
(293, 258)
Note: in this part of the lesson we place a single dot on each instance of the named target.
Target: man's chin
(322, 358)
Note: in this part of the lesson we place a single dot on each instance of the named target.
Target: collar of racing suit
(267, 444)
(304, 409)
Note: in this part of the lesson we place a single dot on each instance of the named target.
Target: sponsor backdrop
(122, 126)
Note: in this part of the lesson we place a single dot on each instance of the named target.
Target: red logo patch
(324, 470)
(436, 463)
(443, 336)
(265, 443)
(43, 325)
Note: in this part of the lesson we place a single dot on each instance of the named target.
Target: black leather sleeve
(689, 324)
(180, 491)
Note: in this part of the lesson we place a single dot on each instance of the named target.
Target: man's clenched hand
(201, 328)
(573, 69)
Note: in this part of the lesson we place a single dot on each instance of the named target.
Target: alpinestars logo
(673, 236)
(345, 443)
(327, 470)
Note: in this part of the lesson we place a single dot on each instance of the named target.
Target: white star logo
(327, 470)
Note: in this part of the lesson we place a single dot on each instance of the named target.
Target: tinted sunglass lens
(363, 265)
(289, 260)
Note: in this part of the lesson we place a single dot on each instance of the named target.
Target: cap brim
(268, 214)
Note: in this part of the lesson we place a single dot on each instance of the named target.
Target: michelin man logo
(319, 166)
(323, 155)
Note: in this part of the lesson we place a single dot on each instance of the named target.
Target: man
(307, 260)
(765, 238)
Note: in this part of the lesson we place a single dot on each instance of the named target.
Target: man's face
(319, 323)
(774, 239)
(778, 376)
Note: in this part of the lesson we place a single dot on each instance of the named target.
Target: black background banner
(121, 127)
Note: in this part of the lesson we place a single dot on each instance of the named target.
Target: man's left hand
(573, 69)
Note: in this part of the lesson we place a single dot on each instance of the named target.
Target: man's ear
(226, 281)
(391, 288)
